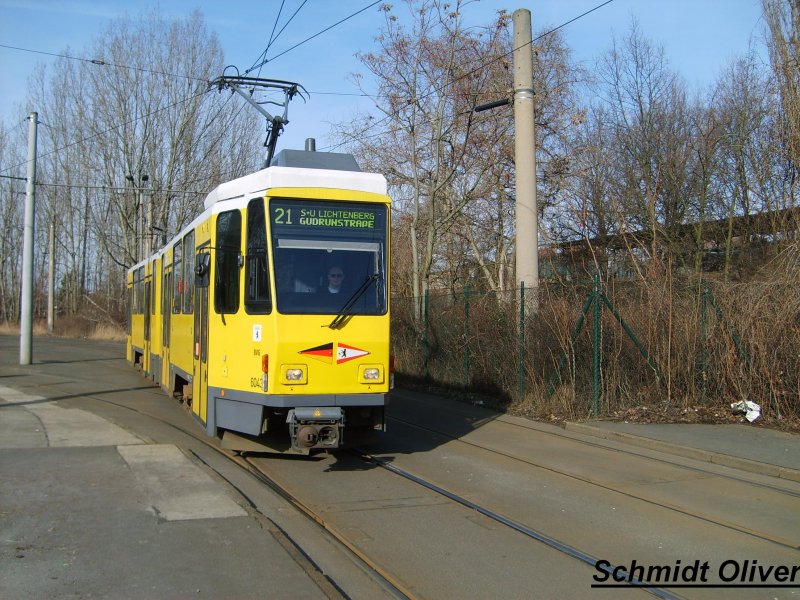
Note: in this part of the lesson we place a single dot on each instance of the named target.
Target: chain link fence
(586, 349)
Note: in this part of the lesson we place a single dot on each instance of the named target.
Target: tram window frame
(130, 309)
(177, 274)
(227, 268)
(134, 292)
(304, 234)
(153, 288)
(188, 275)
(166, 309)
(140, 308)
(257, 297)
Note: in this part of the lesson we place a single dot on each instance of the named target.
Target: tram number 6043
(255, 382)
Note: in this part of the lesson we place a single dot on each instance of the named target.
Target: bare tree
(11, 218)
(451, 171)
(140, 108)
(648, 110)
(427, 89)
(783, 42)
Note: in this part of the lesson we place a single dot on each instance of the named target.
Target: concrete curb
(735, 462)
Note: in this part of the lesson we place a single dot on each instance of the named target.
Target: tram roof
(295, 177)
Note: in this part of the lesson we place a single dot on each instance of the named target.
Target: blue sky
(700, 37)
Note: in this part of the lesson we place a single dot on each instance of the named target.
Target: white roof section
(292, 177)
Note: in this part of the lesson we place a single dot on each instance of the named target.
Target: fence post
(426, 350)
(466, 337)
(704, 339)
(596, 352)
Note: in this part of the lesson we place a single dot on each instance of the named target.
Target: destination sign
(307, 214)
(327, 217)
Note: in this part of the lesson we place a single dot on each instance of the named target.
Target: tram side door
(146, 367)
(200, 380)
(166, 316)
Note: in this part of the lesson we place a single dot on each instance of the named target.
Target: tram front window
(329, 255)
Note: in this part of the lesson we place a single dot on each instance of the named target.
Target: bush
(700, 344)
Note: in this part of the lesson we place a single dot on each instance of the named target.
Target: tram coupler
(313, 428)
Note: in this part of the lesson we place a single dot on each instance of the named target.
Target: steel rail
(516, 526)
(687, 512)
(390, 583)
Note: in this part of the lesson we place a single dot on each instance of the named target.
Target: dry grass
(72, 327)
(708, 346)
(13, 328)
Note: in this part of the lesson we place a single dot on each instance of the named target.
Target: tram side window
(140, 307)
(256, 297)
(177, 281)
(188, 276)
(153, 291)
(229, 243)
(134, 294)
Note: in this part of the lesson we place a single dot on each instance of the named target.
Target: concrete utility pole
(150, 230)
(527, 214)
(26, 308)
(140, 222)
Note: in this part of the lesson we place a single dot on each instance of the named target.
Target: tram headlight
(294, 374)
(370, 374)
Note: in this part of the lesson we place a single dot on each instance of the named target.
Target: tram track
(622, 449)
(385, 578)
(511, 524)
(391, 583)
(618, 490)
(331, 589)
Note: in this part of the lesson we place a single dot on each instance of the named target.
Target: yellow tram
(268, 315)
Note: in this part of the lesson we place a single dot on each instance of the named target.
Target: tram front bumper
(315, 428)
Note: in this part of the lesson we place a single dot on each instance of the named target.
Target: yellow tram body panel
(166, 317)
(202, 240)
(154, 369)
(137, 346)
(131, 328)
(250, 355)
(240, 345)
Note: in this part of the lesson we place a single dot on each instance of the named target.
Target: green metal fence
(596, 348)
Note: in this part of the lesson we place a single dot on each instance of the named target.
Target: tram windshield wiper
(345, 310)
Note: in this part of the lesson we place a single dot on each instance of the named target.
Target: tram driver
(335, 280)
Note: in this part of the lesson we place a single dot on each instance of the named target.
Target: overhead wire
(319, 33)
(269, 42)
(113, 188)
(273, 39)
(98, 134)
(100, 62)
(265, 60)
(103, 63)
(294, 14)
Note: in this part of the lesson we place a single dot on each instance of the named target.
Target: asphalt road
(605, 500)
